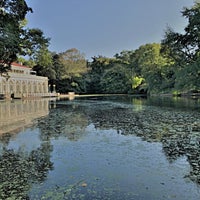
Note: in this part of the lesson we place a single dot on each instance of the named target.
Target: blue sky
(105, 27)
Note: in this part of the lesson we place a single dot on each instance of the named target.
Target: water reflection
(187, 103)
(15, 115)
(65, 129)
(177, 129)
(20, 168)
(63, 121)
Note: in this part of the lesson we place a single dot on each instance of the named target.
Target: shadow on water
(70, 135)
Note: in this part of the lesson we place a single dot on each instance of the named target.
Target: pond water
(111, 147)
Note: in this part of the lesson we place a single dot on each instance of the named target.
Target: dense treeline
(172, 66)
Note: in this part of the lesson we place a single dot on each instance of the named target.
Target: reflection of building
(23, 82)
(18, 114)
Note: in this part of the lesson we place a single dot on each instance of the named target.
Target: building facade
(22, 82)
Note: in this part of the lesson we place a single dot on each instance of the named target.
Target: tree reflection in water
(185, 145)
(19, 170)
(177, 130)
(63, 121)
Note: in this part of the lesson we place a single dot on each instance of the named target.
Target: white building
(23, 83)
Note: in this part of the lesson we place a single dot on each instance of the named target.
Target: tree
(151, 67)
(97, 68)
(184, 47)
(30, 63)
(190, 82)
(136, 82)
(58, 66)
(74, 63)
(125, 57)
(44, 64)
(12, 13)
(32, 41)
(59, 70)
(115, 80)
(15, 40)
(74, 66)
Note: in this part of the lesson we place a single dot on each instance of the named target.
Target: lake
(100, 148)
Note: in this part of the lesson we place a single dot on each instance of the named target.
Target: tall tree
(44, 63)
(74, 63)
(12, 13)
(185, 47)
(32, 41)
(15, 39)
(59, 69)
(152, 66)
(74, 67)
(58, 66)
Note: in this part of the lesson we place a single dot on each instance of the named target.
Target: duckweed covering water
(105, 148)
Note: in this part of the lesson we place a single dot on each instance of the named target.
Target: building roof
(18, 65)
(15, 64)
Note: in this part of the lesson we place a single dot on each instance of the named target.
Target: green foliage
(137, 81)
(146, 69)
(44, 57)
(44, 63)
(12, 13)
(184, 47)
(74, 63)
(58, 67)
(168, 78)
(176, 93)
(70, 67)
(125, 57)
(97, 68)
(151, 66)
(115, 80)
(191, 78)
(170, 66)
(30, 63)
(33, 41)
(15, 40)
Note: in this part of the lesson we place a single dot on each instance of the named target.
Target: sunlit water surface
(101, 148)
